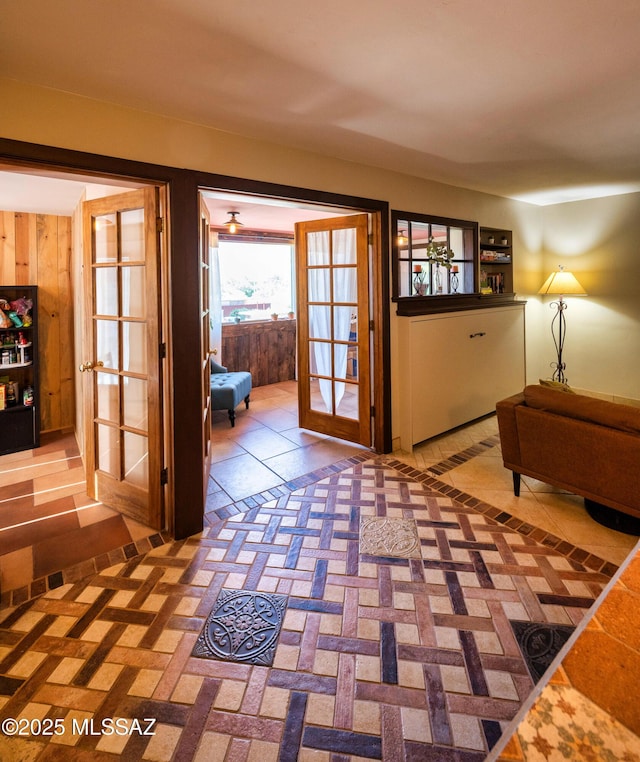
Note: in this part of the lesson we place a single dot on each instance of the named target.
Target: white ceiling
(512, 97)
(40, 194)
(263, 214)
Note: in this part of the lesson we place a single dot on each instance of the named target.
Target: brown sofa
(587, 446)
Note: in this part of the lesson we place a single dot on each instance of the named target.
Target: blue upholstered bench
(228, 389)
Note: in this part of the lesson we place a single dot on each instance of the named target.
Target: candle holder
(454, 283)
(419, 286)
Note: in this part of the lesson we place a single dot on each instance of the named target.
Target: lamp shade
(233, 224)
(562, 282)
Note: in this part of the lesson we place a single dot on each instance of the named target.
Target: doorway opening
(328, 326)
(49, 525)
(183, 421)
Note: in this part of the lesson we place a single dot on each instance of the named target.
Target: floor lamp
(560, 282)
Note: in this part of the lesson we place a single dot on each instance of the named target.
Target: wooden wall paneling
(49, 322)
(263, 352)
(277, 368)
(235, 350)
(243, 351)
(290, 353)
(273, 339)
(7, 248)
(65, 312)
(266, 349)
(35, 250)
(281, 349)
(26, 263)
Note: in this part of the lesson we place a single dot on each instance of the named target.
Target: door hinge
(159, 225)
(370, 239)
(164, 477)
(373, 411)
(163, 350)
(371, 325)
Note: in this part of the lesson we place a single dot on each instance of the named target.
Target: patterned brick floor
(392, 657)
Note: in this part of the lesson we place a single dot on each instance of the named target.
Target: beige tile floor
(542, 505)
(266, 447)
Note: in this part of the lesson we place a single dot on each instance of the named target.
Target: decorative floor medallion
(382, 536)
(242, 626)
(540, 644)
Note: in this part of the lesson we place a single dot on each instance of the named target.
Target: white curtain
(215, 297)
(344, 293)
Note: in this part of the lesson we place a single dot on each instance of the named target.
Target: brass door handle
(90, 365)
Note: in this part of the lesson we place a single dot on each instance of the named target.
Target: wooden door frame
(182, 272)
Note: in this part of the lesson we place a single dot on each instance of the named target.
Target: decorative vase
(438, 279)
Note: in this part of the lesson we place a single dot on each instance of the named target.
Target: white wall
(53, 118)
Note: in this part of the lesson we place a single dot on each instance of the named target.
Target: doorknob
(213, 352)
(90, 365)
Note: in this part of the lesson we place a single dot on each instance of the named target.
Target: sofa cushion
(612, 414)
(228, 389)
(556, 385)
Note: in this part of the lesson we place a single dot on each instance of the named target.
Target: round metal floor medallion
(243, 626)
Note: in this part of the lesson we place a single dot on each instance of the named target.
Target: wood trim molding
(183, 272)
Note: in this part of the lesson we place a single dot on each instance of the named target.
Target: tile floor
(50, 531)
(381, 655)
(266, 448)
(583, 711)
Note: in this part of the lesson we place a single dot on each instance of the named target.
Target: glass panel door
(123, 451)
(333, 332)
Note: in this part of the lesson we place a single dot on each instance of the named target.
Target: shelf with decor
(19, 409)
(496, 261)
(443, 264)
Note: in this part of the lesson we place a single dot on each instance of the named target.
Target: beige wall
(45, 116)
(599, 241)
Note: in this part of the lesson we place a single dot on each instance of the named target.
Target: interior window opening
(257, 280)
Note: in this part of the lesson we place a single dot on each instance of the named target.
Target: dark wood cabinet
(267, 349)
(19, 388)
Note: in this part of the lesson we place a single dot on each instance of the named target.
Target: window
(433, 256)
(256, 280)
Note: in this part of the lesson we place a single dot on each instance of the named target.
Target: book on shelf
(496, 282)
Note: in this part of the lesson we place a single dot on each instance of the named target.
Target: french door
(121, 367)
(205, 337)
(334, 394)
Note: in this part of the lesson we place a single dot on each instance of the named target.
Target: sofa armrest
(217, 368)
(508, 427)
